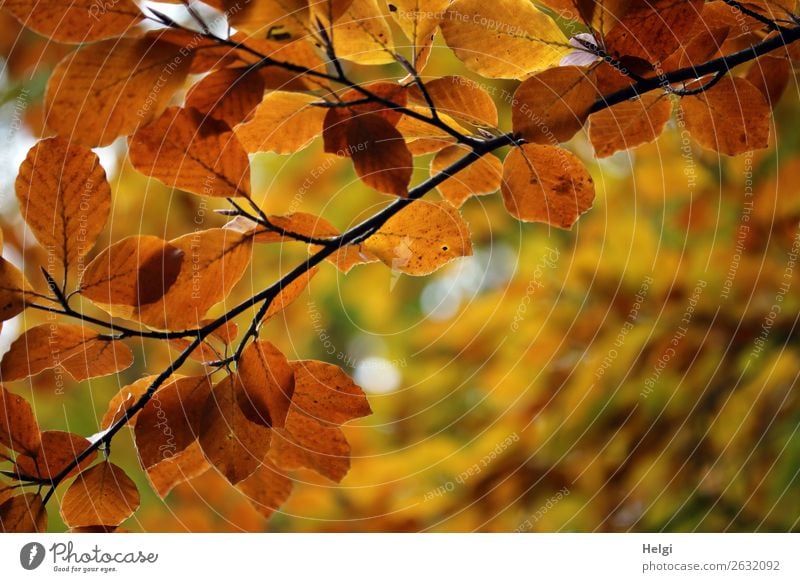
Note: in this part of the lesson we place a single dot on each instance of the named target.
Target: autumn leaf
(14, 290)
(135, 271)
(228, 95)
(82, 353)
(508, 39)
(380, 155)
(421, 238)
(362, 34)
(232, 443)
(108, 89)
(188, 150)
(23, 514)
(57, 451)
(78, 21)
(102, 495)
(267, 488)
(172, 471)
(481, 177)
(326, 393)
(419, 21)
(170, 421)
(283, 123)
(552, 106)
(458, 97)
(19, 430)
(546, 184)
(629, 124)
(267, 382)
(123, 400)
(731, 118)
(64, 197)
(307, 443)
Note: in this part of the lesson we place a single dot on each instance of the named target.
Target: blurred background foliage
(604, 379)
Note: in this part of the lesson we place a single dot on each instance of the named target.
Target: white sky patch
(377, 375)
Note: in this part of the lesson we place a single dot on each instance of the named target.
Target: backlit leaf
(268, 383)
(629, 124)
(23, 514)
(102, 495)
(481, 177)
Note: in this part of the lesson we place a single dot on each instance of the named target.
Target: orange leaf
(23, 514)
(18, 427)
(108, 89)
(327, 394)
(187, 464)
(419, 21)
(170, 421)
(102, 495)
(421, 238)
(546, 184)
(481, 177)
(123, 400)
(135, 271)
(731, 118)
(64, 197)
(306, 443)
(629, 124)
(13, 289)
(185, 149)
(267, 383)
(770, 75)
(267, 488)
(56, 452)
(229, 95)
(380, 155)
(458, 97)
(283, 123)
(78, 350)
(77, 21)
(552, 106)
(231, 442)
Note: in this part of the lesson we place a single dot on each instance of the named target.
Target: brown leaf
(380, 155)
(102, 495)
(136, 271)
(64, 197)
(421, 238)
(19, 430)
(232, 443)
(458, 97)
(185, 149)
(56, 452)
(267, 488)
(228, 95)
(306, 443)
(267, 382)
(770, 75)
(187, 464)
(123, 400)
(13, 290)
(23, 514)
(546, 184)
(337, 119)
(652, 30)
(108, 89)
(481, 177)
(629, 124)
(731, 118)
(170, 421)
(552, 106)
(76, 21)
(283, 123)
(79, 351)
(327, 394)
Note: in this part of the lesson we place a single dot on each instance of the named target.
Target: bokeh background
(637, 373)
